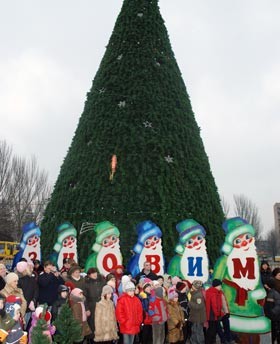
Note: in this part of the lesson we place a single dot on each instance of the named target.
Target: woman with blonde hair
(11, 288)
(105, 315)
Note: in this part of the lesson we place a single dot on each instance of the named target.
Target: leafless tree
(5, 166)
(273, 242)
(24, 191)
(246, 209)
(27, 191)
(225, 206)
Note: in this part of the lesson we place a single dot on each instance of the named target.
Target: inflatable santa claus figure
(147, 249)
(106, 253)
(239, 270)
(191, 262)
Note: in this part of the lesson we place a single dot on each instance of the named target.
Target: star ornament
(147, 124)
(169, 159)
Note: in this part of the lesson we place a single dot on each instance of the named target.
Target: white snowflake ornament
(169, 159)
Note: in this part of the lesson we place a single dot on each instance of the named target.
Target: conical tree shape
(137, 109)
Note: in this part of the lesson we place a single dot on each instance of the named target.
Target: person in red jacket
(217, 311)
(129, 313)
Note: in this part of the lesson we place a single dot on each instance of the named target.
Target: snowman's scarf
(241, 293)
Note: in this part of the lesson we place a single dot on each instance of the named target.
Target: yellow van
(8, 249)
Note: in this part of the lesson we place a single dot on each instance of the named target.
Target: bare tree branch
(5, 165)
(225, 206)
(246, 209)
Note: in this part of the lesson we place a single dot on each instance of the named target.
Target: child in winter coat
(146, 296)
(182, 290)
(129, 313)
(197, 315)
(176, 319)
(6, 321)
(15, 334)
(38, 314)
(105, 318)
(77, 304)
(159, 317)
(63, 294)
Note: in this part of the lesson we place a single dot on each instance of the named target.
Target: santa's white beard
(202, 252)
(30, 252)
(244, 282)
(157, 265)
(105, 266)
(67, 252)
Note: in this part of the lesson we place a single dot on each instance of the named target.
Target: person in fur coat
(176, 320)
(77, 304)
(105, 319)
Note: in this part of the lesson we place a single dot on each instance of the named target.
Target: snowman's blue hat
(145, 230)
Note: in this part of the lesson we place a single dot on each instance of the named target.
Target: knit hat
(129, 286)
(103, 230)
(29, 229)
(21, 267)
(63, 231)
(187, 229)
(145, 282)
(145, 230)
(12, 304)
(180, 286)
(233, 228)
(197, 284)
(216, 282)
(172, 294)
(76, 292)
(125, 279)
(106, 290)
(11, 277)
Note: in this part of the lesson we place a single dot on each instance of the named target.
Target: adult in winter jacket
(105, 315)
(74, 276)
(94, 282)
(77, 305)
(48, 282)
(129, 313)
(29, 287)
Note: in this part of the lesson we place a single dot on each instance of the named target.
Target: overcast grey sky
(229, 56)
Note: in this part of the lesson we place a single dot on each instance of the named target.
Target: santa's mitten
(3, 335)
(23, 339)
(258, 294)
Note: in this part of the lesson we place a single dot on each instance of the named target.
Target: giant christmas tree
(138, 109)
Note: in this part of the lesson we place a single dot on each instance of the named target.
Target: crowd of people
(120, 308)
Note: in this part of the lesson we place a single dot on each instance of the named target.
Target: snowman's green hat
(187, 229)
(233, 228)
(103, 230)
(63, 231)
